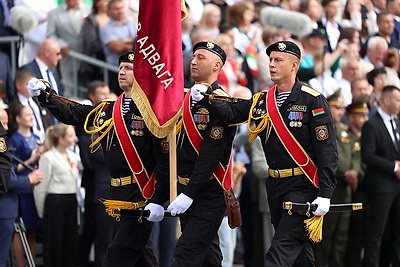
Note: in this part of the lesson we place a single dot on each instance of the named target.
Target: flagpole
(172, 165)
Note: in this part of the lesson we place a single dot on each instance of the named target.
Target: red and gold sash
(223, 175)
(146, 184)
(290, 143)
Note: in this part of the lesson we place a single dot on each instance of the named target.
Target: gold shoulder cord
(96, 128)
(265, 122)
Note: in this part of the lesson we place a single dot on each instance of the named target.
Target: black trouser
(131, 246)
(290, 244)
(199, 243)
(383, 207)
(60, 230)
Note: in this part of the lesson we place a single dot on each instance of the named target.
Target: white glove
(197, 90)
(156, 212)
(35, 86)
(323, 205)
(180, 204)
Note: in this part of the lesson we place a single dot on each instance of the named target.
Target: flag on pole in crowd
(158, 64)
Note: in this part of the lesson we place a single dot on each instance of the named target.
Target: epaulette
(220, 92)
(310, 91)
(185, 90)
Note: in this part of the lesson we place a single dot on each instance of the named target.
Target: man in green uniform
(357, 114)
(331, 251)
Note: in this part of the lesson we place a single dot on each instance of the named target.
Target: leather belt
(282, 173)
(121, 181)
(185, 181)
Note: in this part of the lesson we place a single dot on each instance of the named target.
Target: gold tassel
(313, 226)
(111, 205)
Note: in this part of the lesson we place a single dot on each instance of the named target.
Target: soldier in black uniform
(129, 245)
(201, 199)
(306, 114)
(5, 161)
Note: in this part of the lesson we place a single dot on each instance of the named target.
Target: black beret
(286, 47)
(212, 47)
(126, 57)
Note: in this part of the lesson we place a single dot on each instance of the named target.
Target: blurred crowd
(350, 54)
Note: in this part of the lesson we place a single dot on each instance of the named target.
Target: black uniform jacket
(307, 115)
(5, 162)
(216, 147)
(152, 151)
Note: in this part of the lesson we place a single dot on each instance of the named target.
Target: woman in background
(26, 146)
(55, 198)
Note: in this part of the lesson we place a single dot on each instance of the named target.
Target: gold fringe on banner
(183, 10)
(148, 115)
(313, 226)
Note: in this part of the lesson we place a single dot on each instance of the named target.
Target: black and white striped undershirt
(125, 105)
(281, 97)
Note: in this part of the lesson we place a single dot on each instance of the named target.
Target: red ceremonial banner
(158, 64)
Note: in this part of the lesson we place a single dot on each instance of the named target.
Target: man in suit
(380, 151)
(9, 203)
(64, 25)
(42, 117)
(45, 64)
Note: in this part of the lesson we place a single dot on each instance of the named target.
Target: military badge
(295, 117)
(216, 132)
(131, 56)
(3, 145)
(164, 146)
(344, 137)
(137, 127)
(201, 118)
(298, 108)
(356, 147)
(321, 132)
(281, 46)
(210, 45)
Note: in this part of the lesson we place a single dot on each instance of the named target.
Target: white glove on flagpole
(197, 90)
(180, 204)
(35, 86)
(323, 206)
(156, 212)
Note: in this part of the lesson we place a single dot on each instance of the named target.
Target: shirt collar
(41, 64)
(385, 117)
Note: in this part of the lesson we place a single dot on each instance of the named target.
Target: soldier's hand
(156, 212)
(35, 86)
(180, 204)
(197, 91)
(323, 206)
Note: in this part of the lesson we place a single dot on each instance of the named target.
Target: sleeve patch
(321, 132)
(318, 111)
(216, 132)
(3, 145)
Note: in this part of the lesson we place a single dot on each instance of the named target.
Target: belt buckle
(276, 173)
(118, 181)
